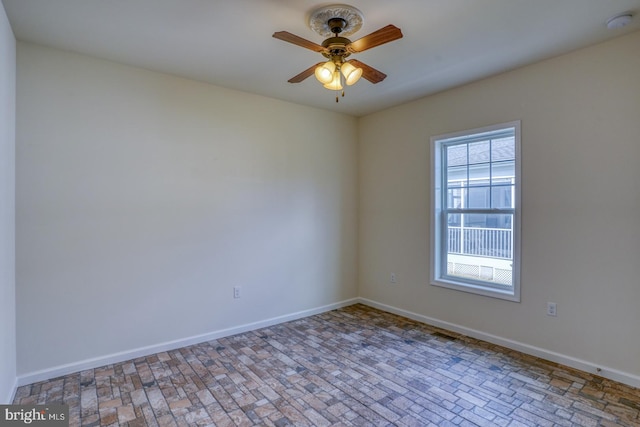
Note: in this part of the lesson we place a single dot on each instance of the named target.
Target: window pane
(479, 173)
(478, 198)
(502, 221)
(491, 270)
(503, 149)
(453, 232)
(454, 220)
(480, 247)
(503, 170)
(456, 175)
(454, 197)
(501, 197)
(457, 155)
(479, 152)
(475, 220)
(487, 220)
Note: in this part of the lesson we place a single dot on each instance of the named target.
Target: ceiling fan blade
(383, 35)
(369, 73)
(306, 73)
(299, 41)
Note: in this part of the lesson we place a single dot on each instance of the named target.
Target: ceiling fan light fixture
(335, 83)
(351, 74)
(324, 73)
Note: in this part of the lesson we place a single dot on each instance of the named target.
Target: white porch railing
(485, 242)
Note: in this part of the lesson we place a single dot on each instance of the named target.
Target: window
(475, 224)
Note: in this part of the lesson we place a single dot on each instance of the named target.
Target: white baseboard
(46, 374)
(13, 392)
(69, 368)
(582, 365)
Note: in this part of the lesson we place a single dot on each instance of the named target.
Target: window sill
(509, 295)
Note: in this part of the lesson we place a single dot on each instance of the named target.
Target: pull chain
(341, 84)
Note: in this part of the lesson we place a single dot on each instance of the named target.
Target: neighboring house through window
(475, 224)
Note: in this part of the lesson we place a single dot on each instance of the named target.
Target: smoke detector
(619, 21)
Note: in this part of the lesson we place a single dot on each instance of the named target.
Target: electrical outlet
(552, 309)
(236, 291)
(393, 278)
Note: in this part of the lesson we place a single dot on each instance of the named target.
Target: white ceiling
(228, 43)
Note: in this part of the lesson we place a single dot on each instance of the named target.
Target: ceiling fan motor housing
(336, 46)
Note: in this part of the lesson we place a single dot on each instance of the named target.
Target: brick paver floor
(356, 366)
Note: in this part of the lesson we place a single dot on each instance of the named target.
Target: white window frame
(438, 197)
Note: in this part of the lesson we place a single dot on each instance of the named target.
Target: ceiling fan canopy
(338, 21)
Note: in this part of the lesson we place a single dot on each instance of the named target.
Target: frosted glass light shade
(351, 74)
(324, 72)
(335, 83)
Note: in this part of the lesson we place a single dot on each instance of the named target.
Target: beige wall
(7, 209)
(580, 204)
(143, 199)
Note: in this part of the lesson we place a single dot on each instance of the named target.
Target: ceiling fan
(338, 21)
